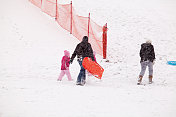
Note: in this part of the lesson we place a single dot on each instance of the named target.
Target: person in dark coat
(82, 50)
(147, 55)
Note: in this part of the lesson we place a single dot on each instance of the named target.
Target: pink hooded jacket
(65, 60)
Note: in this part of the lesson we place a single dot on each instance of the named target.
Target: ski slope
(32, 45)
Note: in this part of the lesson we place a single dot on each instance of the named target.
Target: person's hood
(67, 53)
(85, 39)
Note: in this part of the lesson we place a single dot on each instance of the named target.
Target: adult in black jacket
(147, 55)
(83, 49)
(147, 52)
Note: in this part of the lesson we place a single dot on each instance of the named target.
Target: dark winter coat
(83, 49)
(147, 52)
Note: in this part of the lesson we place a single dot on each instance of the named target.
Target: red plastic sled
(93, 67)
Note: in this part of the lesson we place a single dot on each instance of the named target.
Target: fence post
(71, 19)
(56, 11)
(88, 24)
(104, 41)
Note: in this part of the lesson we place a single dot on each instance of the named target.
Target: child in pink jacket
(65, 66)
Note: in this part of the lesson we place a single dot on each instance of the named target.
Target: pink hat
(66, 53)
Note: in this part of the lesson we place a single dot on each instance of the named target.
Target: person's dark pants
(82, 75)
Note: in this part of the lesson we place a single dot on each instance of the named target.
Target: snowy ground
(32, 45)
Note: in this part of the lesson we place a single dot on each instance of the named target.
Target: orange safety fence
(63, 16)
(78, 26)
(49, 7)
(37, 3)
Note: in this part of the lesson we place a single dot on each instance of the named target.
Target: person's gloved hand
(92, 58)
(71, 61)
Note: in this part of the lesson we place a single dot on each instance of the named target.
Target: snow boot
(83, 82)
(78, 83)
(139, 80)
(150, 79)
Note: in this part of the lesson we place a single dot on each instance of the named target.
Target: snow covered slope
(32, 45)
